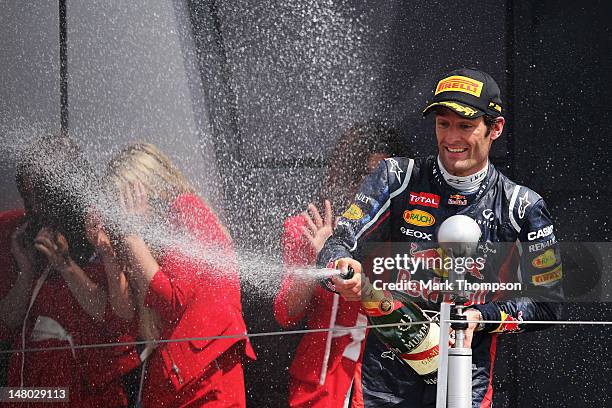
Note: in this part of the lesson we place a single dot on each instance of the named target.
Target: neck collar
(466, 184)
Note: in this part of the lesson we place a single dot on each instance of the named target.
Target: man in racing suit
(407, 200)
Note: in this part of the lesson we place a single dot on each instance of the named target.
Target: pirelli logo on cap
(458, 83)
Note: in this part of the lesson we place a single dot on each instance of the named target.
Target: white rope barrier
(292, 332)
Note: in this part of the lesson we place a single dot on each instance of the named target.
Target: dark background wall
(249, 97)
(291, 102)
(561, 72)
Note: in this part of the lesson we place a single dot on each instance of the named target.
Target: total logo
(541, 233)
(419, 217)
(425, 199)
(417, 234)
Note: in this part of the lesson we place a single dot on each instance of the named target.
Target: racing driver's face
(464, 144)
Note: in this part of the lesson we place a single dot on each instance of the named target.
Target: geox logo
(458, 83)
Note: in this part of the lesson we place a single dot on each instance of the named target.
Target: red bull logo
(457, 199)
(433, 259)
(475, 272)
(510, 323)
(427, 291)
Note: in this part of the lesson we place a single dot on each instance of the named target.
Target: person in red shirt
(182, 268)
(325, 362)
(58, 295)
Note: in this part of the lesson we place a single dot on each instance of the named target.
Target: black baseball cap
(468, 92)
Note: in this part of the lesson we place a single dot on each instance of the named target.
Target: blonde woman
(179, 296)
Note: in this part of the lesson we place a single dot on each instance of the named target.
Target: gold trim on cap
(463, 109)
(495, 106)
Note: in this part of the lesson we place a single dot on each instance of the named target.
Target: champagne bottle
(416, 345)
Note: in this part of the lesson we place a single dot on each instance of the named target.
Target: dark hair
(63, 180)
(347, 165)
(489, 122)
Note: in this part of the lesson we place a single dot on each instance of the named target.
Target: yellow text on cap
(458, 83)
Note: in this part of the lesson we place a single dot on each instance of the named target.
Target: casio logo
(541, 233)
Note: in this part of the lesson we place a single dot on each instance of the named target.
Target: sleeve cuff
(489, 311)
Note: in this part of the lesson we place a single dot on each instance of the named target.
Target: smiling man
(408, 199)
(468, 119)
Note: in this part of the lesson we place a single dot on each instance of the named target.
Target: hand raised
(96, 235)
(54, 246)
(318, 229)
(133, 199)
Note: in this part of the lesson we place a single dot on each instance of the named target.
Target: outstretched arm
(366, 219)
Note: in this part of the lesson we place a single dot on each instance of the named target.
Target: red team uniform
(196, 299)
(330, 358)
(55, 319)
